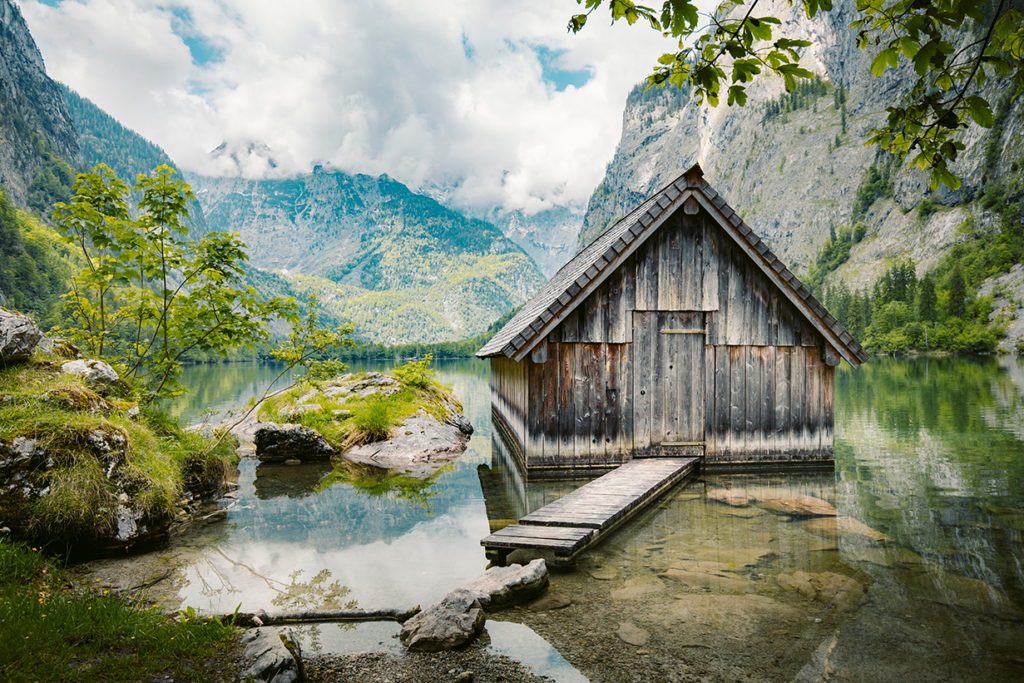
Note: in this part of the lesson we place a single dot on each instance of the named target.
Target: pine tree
(926, 299)
(957, 306)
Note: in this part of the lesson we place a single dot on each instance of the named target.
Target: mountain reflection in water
(916, 572)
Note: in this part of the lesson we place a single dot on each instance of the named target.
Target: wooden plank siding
(751, 384)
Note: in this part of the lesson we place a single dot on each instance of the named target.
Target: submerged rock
(781, 501)
(503, 586)
(631, 633)
(715, 582)
(965, 593)
(280, 442)
(788, 502)
(849, 528)
(19, 336)
(445, 625)
(738, 615)
(734, 497)
(839, 590)
(638, 588)
(419, 447)
(549, 601)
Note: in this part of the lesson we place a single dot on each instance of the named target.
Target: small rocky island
(410, 424)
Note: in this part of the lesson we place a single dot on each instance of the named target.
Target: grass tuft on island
(53, 629)
(86, 438)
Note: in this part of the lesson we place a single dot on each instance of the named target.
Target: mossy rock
(79, 399)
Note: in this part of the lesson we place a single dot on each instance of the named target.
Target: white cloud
(430, 92)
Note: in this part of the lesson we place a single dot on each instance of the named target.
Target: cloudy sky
(493, 96)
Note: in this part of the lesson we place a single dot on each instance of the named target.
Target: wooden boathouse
(677, 333)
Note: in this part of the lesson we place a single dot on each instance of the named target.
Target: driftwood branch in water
(262, 618)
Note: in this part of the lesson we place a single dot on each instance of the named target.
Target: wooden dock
(569, 525)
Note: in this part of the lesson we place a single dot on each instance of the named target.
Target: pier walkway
(571, 524)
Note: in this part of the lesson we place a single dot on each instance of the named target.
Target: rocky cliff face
(400, 265)
(36, 131)
(795, 175)
(549, 237)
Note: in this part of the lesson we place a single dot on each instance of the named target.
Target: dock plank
(574, 522)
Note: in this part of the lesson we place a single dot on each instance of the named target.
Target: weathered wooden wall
(509, 398)
(767, 403)
(623, 374)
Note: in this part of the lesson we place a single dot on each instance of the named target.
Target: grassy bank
(54, 629)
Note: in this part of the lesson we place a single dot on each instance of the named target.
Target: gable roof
(583, 274)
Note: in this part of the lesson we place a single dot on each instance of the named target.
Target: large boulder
(94, 371)
(445, 625)
(504, 586)
(281, 442)
(275, 655)
(419, 447)
(19, 336)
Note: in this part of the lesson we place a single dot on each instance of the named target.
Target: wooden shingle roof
(579, 277)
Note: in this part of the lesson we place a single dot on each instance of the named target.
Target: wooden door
(668, 383)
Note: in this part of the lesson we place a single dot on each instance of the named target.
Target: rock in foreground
(503, 586)
(19, 336)
(275, 655)
(445, 625)
(29, 472)
(459, 617)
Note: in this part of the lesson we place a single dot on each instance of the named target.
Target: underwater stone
(631, 633)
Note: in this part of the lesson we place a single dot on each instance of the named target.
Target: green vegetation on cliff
(35, 266)
(941, 312)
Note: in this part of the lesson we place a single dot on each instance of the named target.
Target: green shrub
(416, 374)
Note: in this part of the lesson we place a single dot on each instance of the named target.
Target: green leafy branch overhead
(732, 47)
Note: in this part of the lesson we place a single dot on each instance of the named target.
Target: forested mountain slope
(795, 166)
(39, 153)
(103, 140)
(401, 266)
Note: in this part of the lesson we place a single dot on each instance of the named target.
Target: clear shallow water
(929, 486)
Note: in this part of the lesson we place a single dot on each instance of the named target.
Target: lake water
(920, 577)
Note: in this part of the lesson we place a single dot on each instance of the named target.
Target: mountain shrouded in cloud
(492, 100)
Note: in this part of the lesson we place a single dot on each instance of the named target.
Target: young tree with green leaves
(732, 47)
(148, 294)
